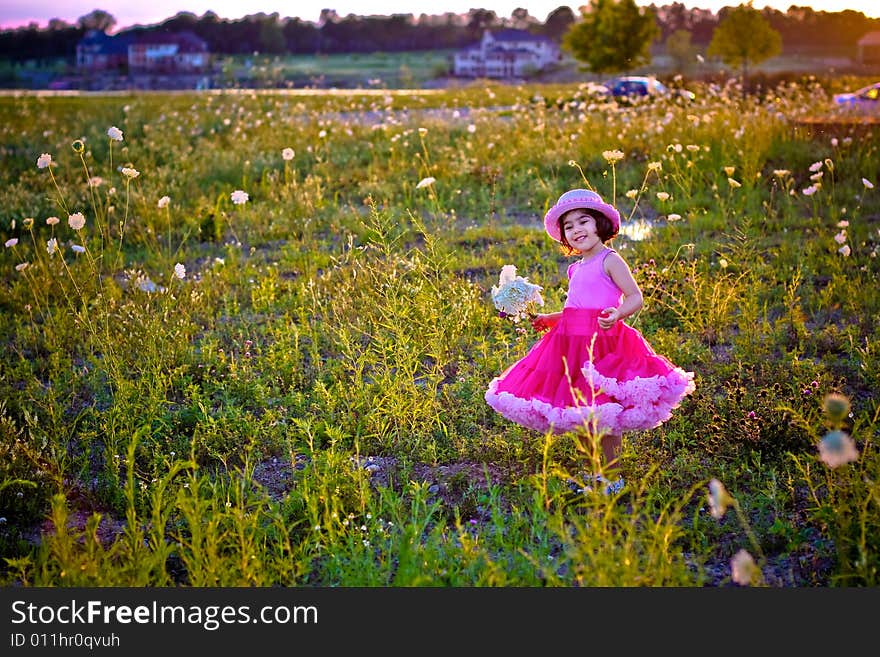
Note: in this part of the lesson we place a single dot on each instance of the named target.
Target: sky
(14, 13)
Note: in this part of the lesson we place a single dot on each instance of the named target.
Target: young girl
(590, 372)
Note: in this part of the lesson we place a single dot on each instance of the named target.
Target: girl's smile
(579, 228)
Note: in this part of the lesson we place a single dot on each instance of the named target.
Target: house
(174, 52)
(869, 49)
(506, 53)
(98, 51)
(152, 52)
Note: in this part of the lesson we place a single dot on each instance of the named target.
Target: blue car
(633, 88)
(866, 99)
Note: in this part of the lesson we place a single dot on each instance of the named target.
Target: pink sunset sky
(14, 13)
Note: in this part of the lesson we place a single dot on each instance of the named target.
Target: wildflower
(837, 448)
(662, 196)
(514, 294)
(723, 263)
(844, 250)
(287, 154)
(179, 271)
(76, 221)
(472, 128)
(655, 166)
(812, 189)
(77, 248)
(95, 181)
(572, 163)
(631, 194)
(836, 406)
(782, 173)
(733, 183)
(612, 157)
(12, 241)
(829, 164)
(44, 160)
(867, 183)
(22, 266)
(693, 148)
(817, 176)
(840, 238)
(51, 221)
(51, 246)
(700, 59)
(114, 133)
(742, 568)
(842, 224)
(672, 216)
(128, 172)
(426, 182)
(239, 197)
(164, 201)
(719, 499)
(815, 166)
(322, 134)
(28, 222)
(729, 171)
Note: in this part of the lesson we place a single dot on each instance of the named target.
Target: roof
(516, 35)
(185, 41)
(98, 41)
(870, 39)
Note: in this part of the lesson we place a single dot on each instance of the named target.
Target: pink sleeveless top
(589, 286)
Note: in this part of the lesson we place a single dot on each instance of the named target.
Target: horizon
(22, 13)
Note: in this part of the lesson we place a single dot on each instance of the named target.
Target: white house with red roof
(506, 53)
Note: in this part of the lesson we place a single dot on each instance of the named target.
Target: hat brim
(551, 219)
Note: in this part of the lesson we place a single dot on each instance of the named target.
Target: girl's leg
(611, 444)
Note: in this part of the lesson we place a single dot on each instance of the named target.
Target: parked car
(635, 88)
(866, 99)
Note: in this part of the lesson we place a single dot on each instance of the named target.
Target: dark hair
(604, 228)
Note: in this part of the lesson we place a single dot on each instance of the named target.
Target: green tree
(612, 35)
(743, 38)
(271, 38)
(681, 50)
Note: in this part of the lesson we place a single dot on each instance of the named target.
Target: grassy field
(232, 364)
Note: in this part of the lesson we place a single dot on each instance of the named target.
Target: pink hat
(578, 198)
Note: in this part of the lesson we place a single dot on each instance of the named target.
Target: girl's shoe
(612, 487)
(586, 483)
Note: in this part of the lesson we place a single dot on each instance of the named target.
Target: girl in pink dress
(590, 372)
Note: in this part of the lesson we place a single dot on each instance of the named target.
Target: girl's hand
(543, 322)
(608, 317)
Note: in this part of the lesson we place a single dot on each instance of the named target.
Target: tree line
(801, 30)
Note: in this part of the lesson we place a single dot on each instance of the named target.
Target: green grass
(304, 406)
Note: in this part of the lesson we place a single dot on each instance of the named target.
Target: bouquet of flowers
(514, 296)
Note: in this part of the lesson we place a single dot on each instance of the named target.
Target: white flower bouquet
(514, 296)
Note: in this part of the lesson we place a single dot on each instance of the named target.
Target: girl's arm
(620, 273)
(544, 321)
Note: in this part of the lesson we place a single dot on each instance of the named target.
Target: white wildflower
(76, 221)
(239, 197)
(114, 133)
(742, 568)
(515, 295)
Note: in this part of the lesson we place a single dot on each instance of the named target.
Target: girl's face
(579, 228)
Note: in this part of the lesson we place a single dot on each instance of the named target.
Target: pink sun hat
(578, 198)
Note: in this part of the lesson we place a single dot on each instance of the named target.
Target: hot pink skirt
(579, 376)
